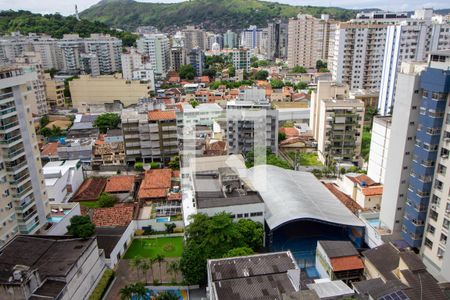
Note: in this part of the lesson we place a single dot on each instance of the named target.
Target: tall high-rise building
(24, 201)
(13, 46)
(410, 40)
(433, 145)
(194, 38)
(308, 40)
(241, 59)
(108, 50)
(71, 46)
(230, 40)
(379, 148)
(49, 51)
(157, 48)
(251, 38)
(358, 49)
(196, 58)
(89, 64)
(277, 39)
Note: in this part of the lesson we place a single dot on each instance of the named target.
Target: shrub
(138, 232)
(178, 230)
(170, 227)
(139, 166)
(106, 200)
(155, 165)
(102, 285)
(148, 230)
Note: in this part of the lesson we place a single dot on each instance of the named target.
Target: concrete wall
(60, 228)
(121, 245)
(238, 209)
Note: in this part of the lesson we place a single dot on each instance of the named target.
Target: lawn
(167, 246)
(89, 204)
(306, 159)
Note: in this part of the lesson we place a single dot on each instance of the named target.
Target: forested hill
(214, 15)
(56, 25)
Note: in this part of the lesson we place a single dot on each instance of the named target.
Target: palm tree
(136, 263)
(152, 261)
(160, 258)
(126, 292)
(166, 295)
(145, 266)
(173, 269)
(140, 291)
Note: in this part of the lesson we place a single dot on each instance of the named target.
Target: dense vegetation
(107, 121)
(56, 25)
(215, 15)
(216, 237)
(270, 159)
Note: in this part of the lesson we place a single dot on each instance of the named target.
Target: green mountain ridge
(214, 15)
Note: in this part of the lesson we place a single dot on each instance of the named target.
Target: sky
(67, 7)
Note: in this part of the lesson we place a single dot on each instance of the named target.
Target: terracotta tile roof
(346, 263)
(204, 79)
(176, 173)
(117, 184)
(50, 149)
(157, 115)
(90, 189)
(344, 198)
(362, 178)
(373, 190)
(174, 79)
(174, 196)
(156, 183)
(119, 215)
(290, 131)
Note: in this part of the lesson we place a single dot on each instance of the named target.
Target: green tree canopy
(81, 226)
(187, 72)
(231, 71)
(299, 69)
(107, 121)
(321, 65)
(106, 200)
(261, 75)
(174, 162)
(241, 251)
(276, 83)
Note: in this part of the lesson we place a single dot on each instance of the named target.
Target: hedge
(102, 285)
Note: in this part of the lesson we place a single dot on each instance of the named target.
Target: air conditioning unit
(444, 156)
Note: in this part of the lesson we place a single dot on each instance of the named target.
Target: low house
(121, 186)
(260, 276)
(362, 189)
(62, 178)
(339, 260)
(49, 267)
(90, 189)
(331, 290)
(118, 215)
(160, 189)
(49, 152)
(109, 149)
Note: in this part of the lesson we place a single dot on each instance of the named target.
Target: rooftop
(156, 183)
(90, 189)
(331, 289)
(50, 149)
(334, 249)
(120, 184)
(159, 115)
(108, 237)
(118, 215)
(373, 190)
(351, 204)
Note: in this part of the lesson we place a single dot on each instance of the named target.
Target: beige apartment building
(24, 203)
(55, 91)
(88, 90)
(308, 40)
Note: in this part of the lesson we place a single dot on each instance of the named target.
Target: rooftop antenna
(76, 13)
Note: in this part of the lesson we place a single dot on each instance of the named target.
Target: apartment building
(241, 59)
(157, 48)
(89, 64)
(13, 46)
(194, 38)
(230, 40)
(308, 40)
(379, 148)
(88, 90)
(358, 49)
(49, 51)
(108, 50)
(33, 61)
(340, 131)
(409, 40)
(55, 91)
(251, 122)
(71, 46)
(24, 203)
(251, 37)
(196, 58)
(277, 39)
(401, 148)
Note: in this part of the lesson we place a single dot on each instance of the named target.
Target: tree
(140, 291)
(170, 227)
(160, 259)
(45, 132)
(107, 121)
(106, 200)
(261, 75)
(241, 251)
(173, 269)
(324, 70)
(174, 162)
(254, 64)
(126, 293)
(136, 263)
(187, 72)
(166, 295)
(299, 69)
(276, 83)
(211, 73)
(194, 103)
(44, 121)
(281, 136)
(81, 226)
(145, 266)
(371, 112)
(301, 85)
(320, 65)
(231, 71)
(252, 231)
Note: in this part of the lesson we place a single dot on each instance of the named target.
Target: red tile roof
(158, 115)
(362, 178)
(290, 131)
(90, 189)
(346, 263)
(156, 183)
(174, 196)
(344, 198)
(373, 190)
(117, 184)
(119, 215)
(50, 149)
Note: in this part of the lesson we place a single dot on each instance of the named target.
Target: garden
(148, 247)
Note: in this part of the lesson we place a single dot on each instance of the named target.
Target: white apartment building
(24, 204)
(135, 66)
(89, 64)
(230, 40)
(194, 37)
(401, 148)
(13, 46)
(358, 49)
(49, 51)
(379, 148)
(157, 48)
(251, 38)
(410, 40)
(107, 49)
(71, 46)
(308, 40)
(241, 59)
(62, 179)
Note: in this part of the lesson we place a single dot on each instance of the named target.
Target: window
(428, 243)
(438, 184)
(434, 215)
(431, 229)
(440, 252)
(441, 169)
(445, 223)
(443, 239)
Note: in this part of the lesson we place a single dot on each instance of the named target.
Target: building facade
(379, 148)
(157, 48)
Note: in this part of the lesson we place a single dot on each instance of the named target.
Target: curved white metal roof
(292, 195)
